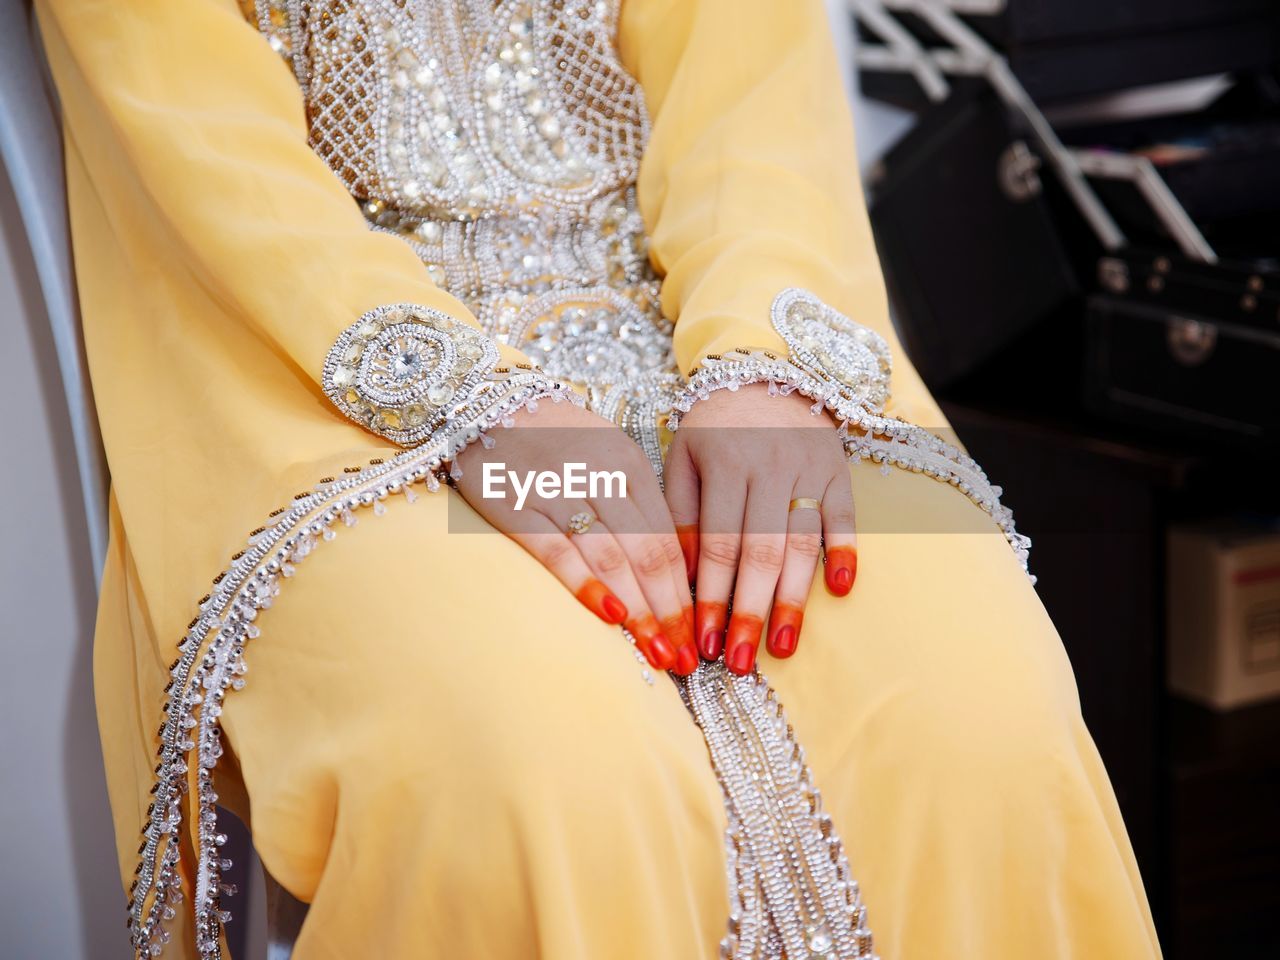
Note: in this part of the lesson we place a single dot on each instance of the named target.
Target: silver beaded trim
(211, 663)
(844, 368)
(790, 881)
(792, 893)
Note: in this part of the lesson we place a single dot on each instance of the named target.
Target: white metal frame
(970, 55)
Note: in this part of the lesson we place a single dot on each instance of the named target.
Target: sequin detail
(407, 372)
(211, 664)
(501, 141)
(792, 893)
(844, 367)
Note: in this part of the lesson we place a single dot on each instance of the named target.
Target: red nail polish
(784, 629)
(783, 643)
(711, 644)
(650, 641)
(615, 610)
(660, 653)
(687, 534)
(842, 569)
(740, 658)
(686, 659)
(597, 598)
(741, 643)
(710, 616)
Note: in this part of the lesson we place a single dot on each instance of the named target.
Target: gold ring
(581, 522)
(804, 503)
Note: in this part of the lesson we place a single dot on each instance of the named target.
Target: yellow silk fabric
(217, 260)
(750, 181)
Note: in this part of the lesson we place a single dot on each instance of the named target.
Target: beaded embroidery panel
(501, 140)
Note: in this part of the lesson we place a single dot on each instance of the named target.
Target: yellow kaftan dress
(436, 746)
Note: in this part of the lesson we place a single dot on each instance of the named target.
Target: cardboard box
(1224, 613)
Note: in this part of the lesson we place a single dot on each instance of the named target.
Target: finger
(764, 543)
(719, 547)
(681, 490)
(605, 556)
(839, 531)
(804, 549)
(657, 564)
(651, 503)
(550, 547)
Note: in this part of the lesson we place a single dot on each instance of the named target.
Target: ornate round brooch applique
(828, 345)
(400, 369)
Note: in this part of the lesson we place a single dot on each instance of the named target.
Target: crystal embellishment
(844, 368)
(499, 139)
(403, 370)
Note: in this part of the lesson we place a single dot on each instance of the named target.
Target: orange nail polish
(650, 641)
(784, 629)
(741, 643)
(678, 629)
(597, 598)
(660, 653)
(687, 534)
(686, 659)
(842, 569)
(710, 618)
(615, 610)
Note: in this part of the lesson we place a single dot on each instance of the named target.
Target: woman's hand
(627, 568)
(739, 460)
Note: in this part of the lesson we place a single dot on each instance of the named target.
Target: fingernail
(784, 642)
(741, 643)
(597, 598)
(842, 569)
(615, 610)
(710, 617)
(650, 641)
(712, 643)
(660, 653)
(784, 629)
(740, 658)
(686, 659)
(688, 537)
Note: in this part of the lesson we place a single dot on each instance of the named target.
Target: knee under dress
(323, 244)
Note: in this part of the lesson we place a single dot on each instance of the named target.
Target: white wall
(60, 896)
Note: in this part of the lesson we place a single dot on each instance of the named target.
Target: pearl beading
(844, 368)
(465, 108)
(501, 141)
(211, 661)
(501, 138)
(792, 893)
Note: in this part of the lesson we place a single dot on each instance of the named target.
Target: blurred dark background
(1081, 231)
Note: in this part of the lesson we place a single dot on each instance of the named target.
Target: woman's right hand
(628, 568)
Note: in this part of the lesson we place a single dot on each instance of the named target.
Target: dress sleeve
(193, 133)
(750, 187)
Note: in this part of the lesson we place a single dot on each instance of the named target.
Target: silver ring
(581, 522)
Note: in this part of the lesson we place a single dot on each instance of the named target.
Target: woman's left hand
(739, 462)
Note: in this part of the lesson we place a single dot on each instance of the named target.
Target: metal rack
(966, 54)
